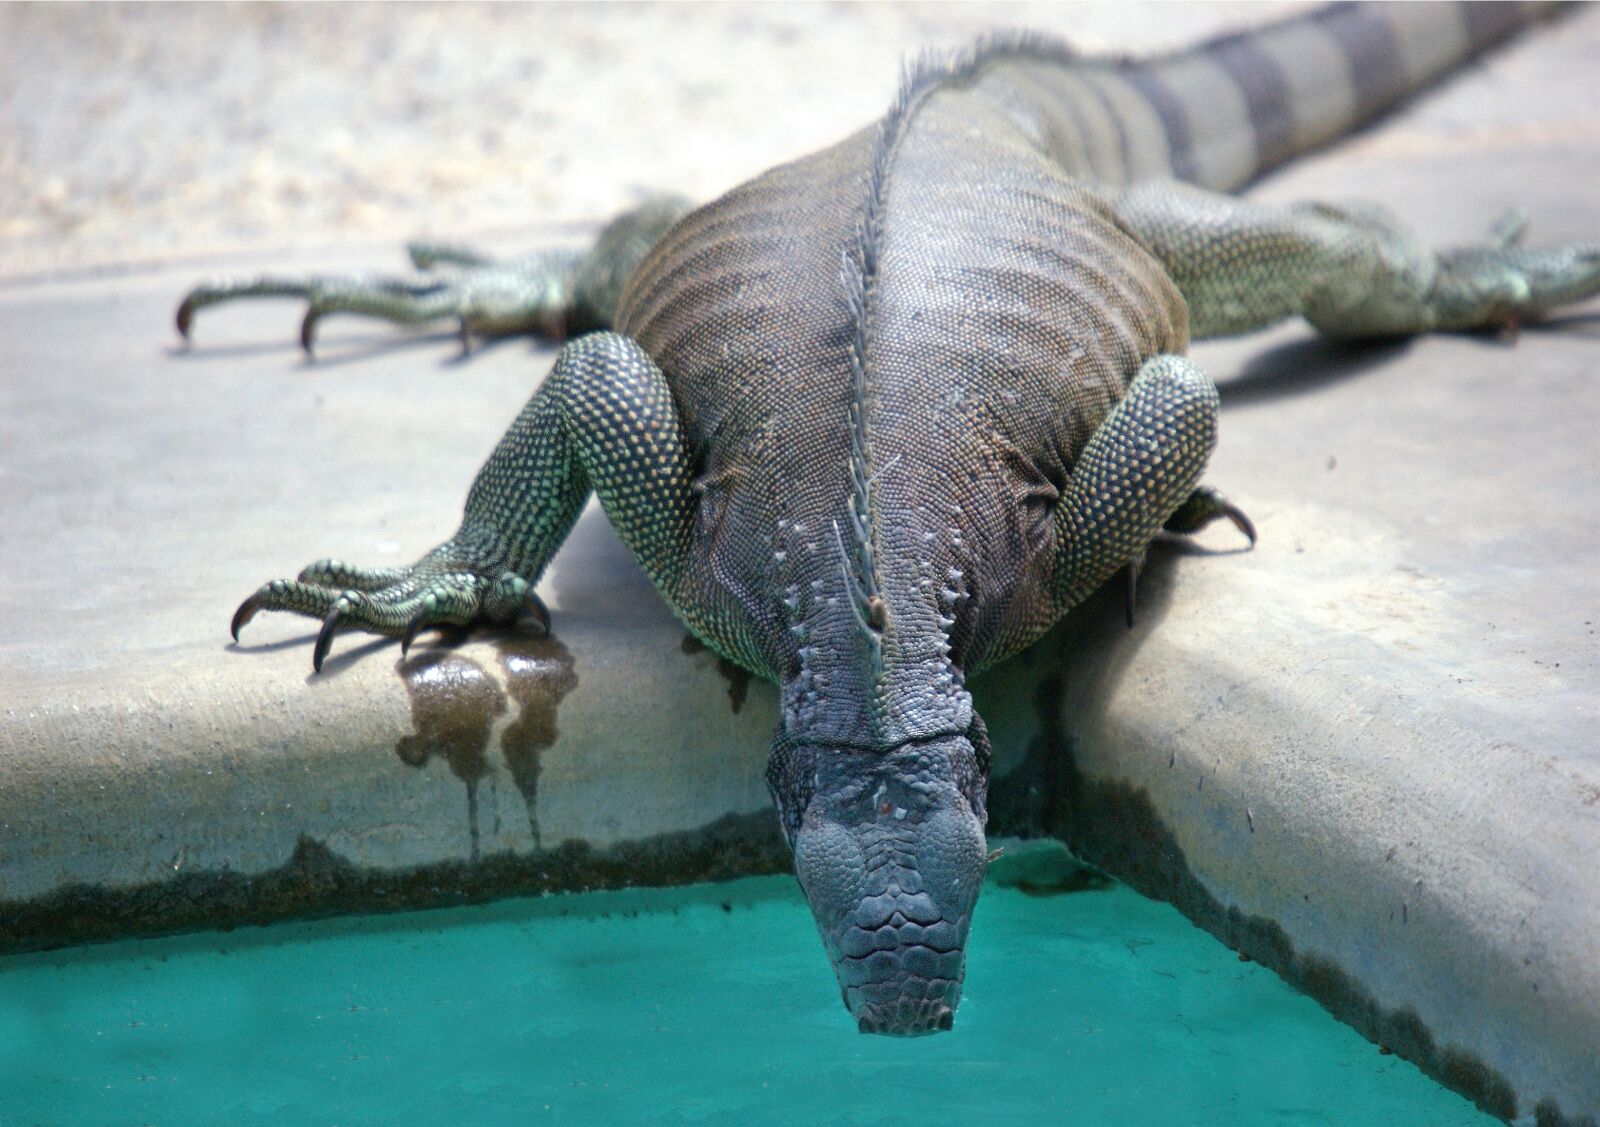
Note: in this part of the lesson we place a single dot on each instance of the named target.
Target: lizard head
(889, 849)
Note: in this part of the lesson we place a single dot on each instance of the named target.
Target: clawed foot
(1207, 504)
(1503, 285)
(1204, 505)
(398, 602)
(484, 297)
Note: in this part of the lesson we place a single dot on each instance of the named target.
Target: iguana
(876, 419)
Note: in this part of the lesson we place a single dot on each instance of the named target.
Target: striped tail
(1221, 113)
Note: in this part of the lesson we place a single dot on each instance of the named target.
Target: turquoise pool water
(713, 1004)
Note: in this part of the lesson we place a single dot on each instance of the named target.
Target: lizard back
(949, 286)
(922, 288)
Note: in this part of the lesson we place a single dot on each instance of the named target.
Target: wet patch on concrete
(736, 675)
(316, 882)
(539, 673)
(454, 704)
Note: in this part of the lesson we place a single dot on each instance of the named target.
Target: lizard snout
(889, 848)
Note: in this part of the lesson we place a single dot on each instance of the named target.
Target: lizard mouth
(906, 1018)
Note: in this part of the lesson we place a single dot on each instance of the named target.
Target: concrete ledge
(1377, 733)
(1343, 753)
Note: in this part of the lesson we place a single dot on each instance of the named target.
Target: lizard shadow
(1036, 700)
(1098, 644)
(364, 348)
(442, 640)
(1306, 365)
(352, 346)
(188, 350)
(271, 647)
(340, 349)
(337, 663)
(1573, 324)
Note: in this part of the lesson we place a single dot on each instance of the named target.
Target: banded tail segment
(1235, 107)
(1223, 112)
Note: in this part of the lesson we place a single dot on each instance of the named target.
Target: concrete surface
(1365, 754)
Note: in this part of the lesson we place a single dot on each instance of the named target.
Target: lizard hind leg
(484, 298)
(1139, 474)
(550, 293)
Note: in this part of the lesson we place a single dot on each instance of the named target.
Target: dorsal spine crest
(857, 541)
(859, 273)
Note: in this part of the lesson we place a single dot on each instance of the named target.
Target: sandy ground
(143, 133)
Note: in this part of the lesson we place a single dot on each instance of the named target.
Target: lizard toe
(1205, 505)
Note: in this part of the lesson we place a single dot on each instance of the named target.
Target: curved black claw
(308, 332)
(242, 616)
(185, 317)
(325, 638)
(418, 623)
(1205, 505)
(1133, 586)
(1240, 521)
(536, 610)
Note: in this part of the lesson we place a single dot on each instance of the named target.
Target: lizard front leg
(1138, 474)
(1352, 270)
(552, 293)
(603, 420)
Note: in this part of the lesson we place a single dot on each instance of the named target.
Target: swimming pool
(708, 1004)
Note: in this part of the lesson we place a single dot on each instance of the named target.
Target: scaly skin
(875, 420)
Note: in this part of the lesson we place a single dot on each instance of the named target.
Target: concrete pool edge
(124, 766)
(1043, 790)
(1468, 966)
(316, 882)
